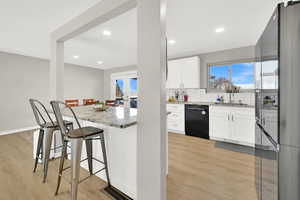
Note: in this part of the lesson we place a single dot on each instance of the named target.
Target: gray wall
(107, 74)
(238, 54)
(83, 82)
(23, 77)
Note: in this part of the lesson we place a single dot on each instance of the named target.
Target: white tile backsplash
(195, 95)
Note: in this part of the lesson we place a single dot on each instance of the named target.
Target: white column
(151, 148)
(57, 70)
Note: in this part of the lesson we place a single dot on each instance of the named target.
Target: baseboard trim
(7, 132)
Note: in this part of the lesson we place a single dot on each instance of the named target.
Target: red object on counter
(186, 98)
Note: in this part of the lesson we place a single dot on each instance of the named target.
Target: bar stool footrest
(116, 194)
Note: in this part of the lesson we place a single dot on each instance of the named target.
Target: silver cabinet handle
(228, 117)
(232, 118)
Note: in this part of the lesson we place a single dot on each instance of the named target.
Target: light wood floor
(198, 170)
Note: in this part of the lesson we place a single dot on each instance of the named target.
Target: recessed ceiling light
(220, 30)
(106, 33)
(172, 41)
(100, 62)
(75, 56)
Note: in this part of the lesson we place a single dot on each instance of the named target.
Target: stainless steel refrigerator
(277, 133)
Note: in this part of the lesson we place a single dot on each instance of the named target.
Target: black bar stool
(76, 137)
(47, 127)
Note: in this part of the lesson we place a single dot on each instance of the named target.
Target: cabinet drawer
(176, 116)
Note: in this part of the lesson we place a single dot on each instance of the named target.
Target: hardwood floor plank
(198, 170)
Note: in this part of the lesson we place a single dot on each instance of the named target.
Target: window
(119, 88)
(225, 76)
(124, 85)
(133, 87)
(266, 75)
(219, 77)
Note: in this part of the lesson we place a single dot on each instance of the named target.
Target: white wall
(82, 82)
(205, 59)
(24, 77)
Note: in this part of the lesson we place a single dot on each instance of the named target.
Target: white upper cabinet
(173, 74)
(184, 73)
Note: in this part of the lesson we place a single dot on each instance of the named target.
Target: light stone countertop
(119, 117)
(233, 105)
(192, 102)
(213, 104)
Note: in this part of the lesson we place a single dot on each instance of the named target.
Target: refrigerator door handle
(167, 63)
(273, 142)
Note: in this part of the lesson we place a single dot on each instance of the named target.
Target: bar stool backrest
(41, 115)
(57, 105)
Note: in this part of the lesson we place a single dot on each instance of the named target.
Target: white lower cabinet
(219, 125)
(176, 120)
(243, 126)
(232, 124)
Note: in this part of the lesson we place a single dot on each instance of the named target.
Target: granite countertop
(191, 102)
(119, 117)
(213, 104)
(234, 105)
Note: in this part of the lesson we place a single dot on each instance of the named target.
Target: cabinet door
(190, 72)
(174, 77)
(176, 120)
(219, 123)
(243, 126)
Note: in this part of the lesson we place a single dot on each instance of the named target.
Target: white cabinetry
(243, 124)
(232, 124)
(176, 120)
(219, 124)
(184, 73)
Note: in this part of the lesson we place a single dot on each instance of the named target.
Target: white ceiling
(25, 29)
(26, 24)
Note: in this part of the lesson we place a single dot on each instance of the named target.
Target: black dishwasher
(197, 120)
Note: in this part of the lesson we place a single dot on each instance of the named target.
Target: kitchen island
(120, 131)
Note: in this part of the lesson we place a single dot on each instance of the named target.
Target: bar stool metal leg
(47, 149)
(105, 158)
(38, 149)
(61, 164)
(89, 152)
(76, 147)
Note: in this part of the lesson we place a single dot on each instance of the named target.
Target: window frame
(126, 75)
(231, 62)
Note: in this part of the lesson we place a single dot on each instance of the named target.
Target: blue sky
(133, 84)
(243, 73)
(219, 71)
(120, 83)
